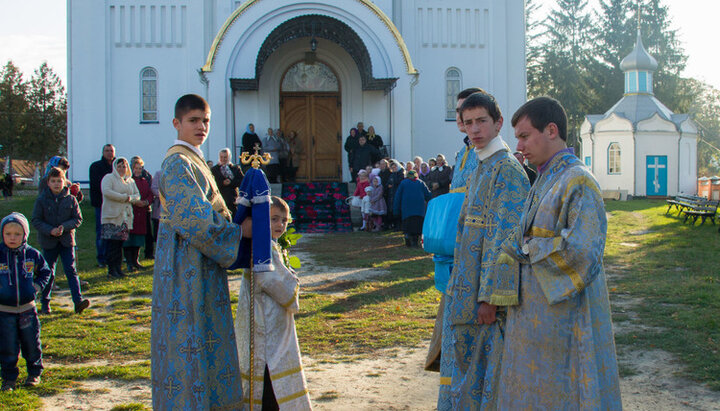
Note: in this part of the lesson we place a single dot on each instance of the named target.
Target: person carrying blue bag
(439, 233)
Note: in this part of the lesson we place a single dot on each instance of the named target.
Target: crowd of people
(284, 150)
(387, 203)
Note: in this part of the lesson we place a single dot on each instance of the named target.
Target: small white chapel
(639, 147)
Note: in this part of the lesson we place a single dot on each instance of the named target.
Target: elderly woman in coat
(119, 194)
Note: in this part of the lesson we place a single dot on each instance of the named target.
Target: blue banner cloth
(254, 202)
(441, 223)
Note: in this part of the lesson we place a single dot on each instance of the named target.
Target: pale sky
(33, 31)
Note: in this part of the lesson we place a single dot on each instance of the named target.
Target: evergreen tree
(47, 116)
(661, 41)
(13, 108)
(614, 39)
(568, 61)
(534, 50)
(705, 110)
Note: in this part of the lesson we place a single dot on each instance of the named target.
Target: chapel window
(614, 158)
(148, 95)
(453, 85)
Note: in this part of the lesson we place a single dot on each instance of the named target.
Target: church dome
(639, 58)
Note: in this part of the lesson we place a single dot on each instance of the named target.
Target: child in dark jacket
(23, 273)
(56, 216)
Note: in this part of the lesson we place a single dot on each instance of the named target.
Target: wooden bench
(682, 202)
(705, 209)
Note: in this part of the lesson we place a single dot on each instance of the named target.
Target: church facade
(639, 146)
(316, 68)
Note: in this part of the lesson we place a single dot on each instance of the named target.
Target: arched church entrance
(310, 109)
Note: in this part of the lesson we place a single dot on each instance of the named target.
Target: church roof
(639, 107)
(639, 58)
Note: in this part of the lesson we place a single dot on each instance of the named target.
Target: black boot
(114, 271)
(128, 252)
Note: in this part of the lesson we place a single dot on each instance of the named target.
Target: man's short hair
(56, 172)
(225, 150)
(107, 145)
(468, 92)
(483, 100)
(190, 102)
(542, 111)
(279, 203)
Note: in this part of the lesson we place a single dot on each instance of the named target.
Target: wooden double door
(315, 117)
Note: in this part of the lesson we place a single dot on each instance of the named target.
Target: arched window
(148, 95)
(453, 85)
(614, 159)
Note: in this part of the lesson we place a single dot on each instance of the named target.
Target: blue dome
(638, 59)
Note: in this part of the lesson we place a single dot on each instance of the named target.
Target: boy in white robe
(278, 381)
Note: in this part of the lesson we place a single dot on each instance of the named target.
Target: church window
(614, 159)
(148, 95)
(453, 86)
(642, 82)
(632, 84)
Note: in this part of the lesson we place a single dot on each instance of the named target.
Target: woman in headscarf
(119, 194)
(139, 230)
(250, 140)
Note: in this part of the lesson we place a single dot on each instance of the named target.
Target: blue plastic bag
(441, 221)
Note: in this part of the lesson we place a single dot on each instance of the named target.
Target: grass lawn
(675, 270)
(673, 267)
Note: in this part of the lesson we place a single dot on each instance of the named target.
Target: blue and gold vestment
(194, 359)
(560, 351)
(491, 211)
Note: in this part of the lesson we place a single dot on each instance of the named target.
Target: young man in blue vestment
(559, 346)
(482, 285)
(194, 359)
(465, 164)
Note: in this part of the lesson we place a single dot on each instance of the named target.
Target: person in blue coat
(410, 200)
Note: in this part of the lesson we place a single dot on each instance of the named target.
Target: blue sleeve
(42, 273)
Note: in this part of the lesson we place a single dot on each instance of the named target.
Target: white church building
(640, 147)
(315, 67)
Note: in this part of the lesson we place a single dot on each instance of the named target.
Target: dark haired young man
(482, 283)
(559, 346)
(193, 351)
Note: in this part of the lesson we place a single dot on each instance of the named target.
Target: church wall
(87, 105)
(485, 41)
(688, 164)
(623, 180)
(657, 144)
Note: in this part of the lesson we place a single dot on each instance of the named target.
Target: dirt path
(393, 379)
